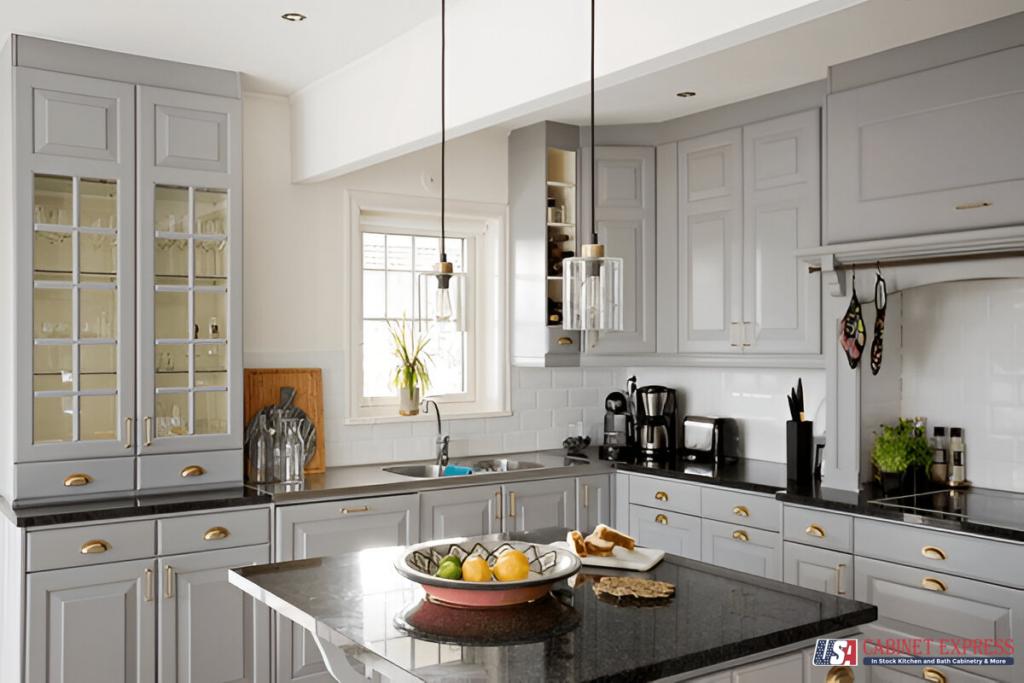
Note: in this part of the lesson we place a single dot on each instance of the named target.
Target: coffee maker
(618, 428)
(656, 423)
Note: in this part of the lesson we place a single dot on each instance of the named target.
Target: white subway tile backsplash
(533, 420)
(563, 417)
(517, 442)
(583, 398)
(566, 378)
(553, 398)
(599, 379)
(489, 444)
(524, 399)
(534, 378)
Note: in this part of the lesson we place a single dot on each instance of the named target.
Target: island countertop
(356, 601)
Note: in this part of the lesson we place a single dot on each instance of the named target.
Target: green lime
(449, 570)
(450, 559)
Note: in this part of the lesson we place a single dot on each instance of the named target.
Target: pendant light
(446, 285)
(592, 282)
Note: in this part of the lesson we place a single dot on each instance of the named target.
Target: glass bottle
(293, 452)
(261, 453)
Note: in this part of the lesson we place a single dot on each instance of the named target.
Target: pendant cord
(593, 131)
(444, 257)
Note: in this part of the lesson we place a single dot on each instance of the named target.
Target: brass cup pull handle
(933, 675)
(499, 503)
(93, 547)
(193, 471)
(216, 534)
(839, 579)
(78, 480)
(662, 496)
(977, 205)
(564, 341)
(839, 674)
(741, 511)
(934, 584)
(127, 433)
(933, 553)
(348, 511)
(741, 536)
(148, 595)
(661, 519)
(148, 424)
(512, 504)
(815, 530)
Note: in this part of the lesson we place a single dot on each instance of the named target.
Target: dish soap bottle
(940, 470)
(957, 470)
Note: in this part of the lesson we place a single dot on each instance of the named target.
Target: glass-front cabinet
(127, 285)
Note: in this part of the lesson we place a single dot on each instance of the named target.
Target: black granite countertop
(748, 475)
(716, 615)
(106, 509)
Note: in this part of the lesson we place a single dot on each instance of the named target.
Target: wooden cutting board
(263, 388)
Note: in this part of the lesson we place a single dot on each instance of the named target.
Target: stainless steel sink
(420, 471)
(503, 465)
(480, 466)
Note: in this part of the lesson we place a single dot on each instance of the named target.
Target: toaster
(710, 439)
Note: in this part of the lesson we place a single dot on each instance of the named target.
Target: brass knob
(216, 534)
(934, 584)
(662, 496)
(193, 471)
(741, 536)
(933, 553)
(78, 480)
(661, 519)
(95, 547)
(564, 341)
(839, 674)
(815, 530)
(741, 511)
(933, 675)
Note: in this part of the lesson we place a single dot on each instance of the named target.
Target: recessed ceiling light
(686, 93)
(293, 16)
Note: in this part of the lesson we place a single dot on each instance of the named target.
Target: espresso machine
(655, 424)
(618, 429)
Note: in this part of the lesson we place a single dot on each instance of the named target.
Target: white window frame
(483, 226)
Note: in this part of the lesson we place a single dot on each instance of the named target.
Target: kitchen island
(364, 616)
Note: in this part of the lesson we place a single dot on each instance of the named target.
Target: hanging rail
(922, 260)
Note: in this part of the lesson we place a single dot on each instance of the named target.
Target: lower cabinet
(92, 624)
(794, 667)
(335, 528)
(470, 511)
(916, 674)
(541, 504)
(669, 531)
(593, 502)
(744, 549)
(822, 570)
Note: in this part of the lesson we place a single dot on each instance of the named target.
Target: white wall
(963, 366)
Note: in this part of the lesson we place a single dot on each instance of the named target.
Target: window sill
(387, 419)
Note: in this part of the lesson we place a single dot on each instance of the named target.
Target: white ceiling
(275, 56)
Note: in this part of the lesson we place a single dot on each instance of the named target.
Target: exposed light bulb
(443, 304)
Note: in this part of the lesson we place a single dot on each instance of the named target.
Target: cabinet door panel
(211, 632)
(818, 569)
(669, 531)
(65, 607)
(593, 502)
(724, 545)
(472, 511)
(70, 124)
(541, 504)
(193, 138)
(335, 528)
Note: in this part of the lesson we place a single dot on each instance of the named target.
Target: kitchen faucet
(441, 443)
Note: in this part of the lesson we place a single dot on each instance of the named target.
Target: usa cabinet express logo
(915, 652)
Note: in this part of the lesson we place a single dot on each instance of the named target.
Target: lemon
(476, 569)
(512, 566)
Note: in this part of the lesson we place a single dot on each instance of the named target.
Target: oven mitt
(876, 343)
(853, 336)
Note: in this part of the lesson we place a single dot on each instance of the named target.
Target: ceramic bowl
(548, 564)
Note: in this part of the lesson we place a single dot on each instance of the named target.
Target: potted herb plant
(898, 448)
(411, 373)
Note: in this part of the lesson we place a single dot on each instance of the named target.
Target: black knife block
(800, 452)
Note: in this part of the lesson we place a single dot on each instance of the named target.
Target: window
(395, 241)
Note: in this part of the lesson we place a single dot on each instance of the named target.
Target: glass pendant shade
(592, 291)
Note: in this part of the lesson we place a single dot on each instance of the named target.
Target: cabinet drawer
(92, 544)
(190, 469)
(664, 494)
(745, 549)
(213, 531)
(978, 558)
(736, 507)
(669, 531)
(818, 528)
(59, 480)
(917, 603)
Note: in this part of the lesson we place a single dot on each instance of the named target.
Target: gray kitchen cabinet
(747, 200)
(333, 528)
(625, 220)
(210, 632)
(744, 549)
(540, 504)
(933, 151)
(672, 532)
(470, 511)
(916, 674)
(822, 570)
(920, 603)
(593, 502)
(92, 624)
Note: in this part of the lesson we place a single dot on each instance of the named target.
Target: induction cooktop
(978, 506)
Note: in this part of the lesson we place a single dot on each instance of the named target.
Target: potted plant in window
(898, 448)
(410, 375)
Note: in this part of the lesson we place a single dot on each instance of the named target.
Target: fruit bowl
(548, 564)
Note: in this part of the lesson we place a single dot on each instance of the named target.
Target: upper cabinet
(939, 150)
(747, 200)
(124, 292)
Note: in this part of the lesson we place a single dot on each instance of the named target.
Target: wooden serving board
(636, 560)
(263, 388)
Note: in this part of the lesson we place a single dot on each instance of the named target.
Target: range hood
(909, 262)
